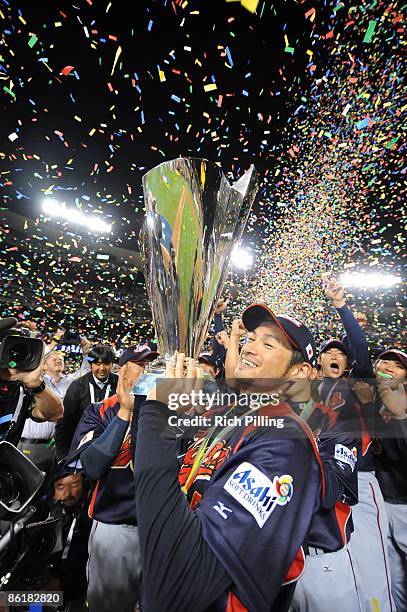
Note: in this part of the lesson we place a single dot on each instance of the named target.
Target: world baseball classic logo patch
(257, 493)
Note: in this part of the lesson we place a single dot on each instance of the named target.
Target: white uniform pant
(114, 568)
(368, 546)
(327, 583)
(397, 543)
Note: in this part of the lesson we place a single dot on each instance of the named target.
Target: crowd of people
(302, 508)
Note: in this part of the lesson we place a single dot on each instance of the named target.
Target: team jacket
(390, 456)
(339, 446)
(337, 394)
(255, 495)
(113, 497)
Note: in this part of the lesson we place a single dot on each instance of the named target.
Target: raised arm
(84, 368)
(46, 405)
(357, 339)
(98, 457)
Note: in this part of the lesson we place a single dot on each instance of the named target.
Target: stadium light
(366, 280)
(241, 258)
(53, 208)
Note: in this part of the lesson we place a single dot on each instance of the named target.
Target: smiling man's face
(101, 370)
(333, 363)
(391, 367)
(264, 358)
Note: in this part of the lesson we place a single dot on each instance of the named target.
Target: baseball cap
(395, 354)
(296, 332)
(334, 343)
(137, 352)
(207, 358)
(60, 471)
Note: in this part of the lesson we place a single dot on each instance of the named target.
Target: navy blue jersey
(255, 494)
(355, 340)
(337, 394)
(390, 456)
(113, 497)
(339, 446)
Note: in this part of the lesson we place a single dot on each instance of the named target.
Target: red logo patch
(125, 455)
(336, 400)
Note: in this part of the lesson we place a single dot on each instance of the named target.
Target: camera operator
(24, 394)
(37, 439)
(52, 552)
(67, 568)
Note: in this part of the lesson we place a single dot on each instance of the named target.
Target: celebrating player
(389, 406)
(102, 442)
(368, 540)
(227, 538)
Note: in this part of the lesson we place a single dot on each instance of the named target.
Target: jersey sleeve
(339, 453)
(362, 366)
(340, 445)
(90, 427)
(256, 514)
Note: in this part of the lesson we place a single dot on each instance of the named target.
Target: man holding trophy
(222, 514)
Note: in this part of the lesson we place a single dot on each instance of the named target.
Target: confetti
(369, 32)
(250, 5)
(291, 87)
(210, 87)
(32, 41)
(67, 70)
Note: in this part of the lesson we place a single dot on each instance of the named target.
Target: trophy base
(148, 379)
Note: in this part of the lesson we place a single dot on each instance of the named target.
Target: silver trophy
(194, 218)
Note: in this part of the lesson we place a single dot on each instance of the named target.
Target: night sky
(93, 94)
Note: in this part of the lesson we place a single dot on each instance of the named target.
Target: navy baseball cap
(334, 343)
(298, 334)
(394, 355)
(137, 352)
(61, 470)
(207, 358)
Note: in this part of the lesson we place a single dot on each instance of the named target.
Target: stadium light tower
(53, 208)
(369, 280)
(241, 258)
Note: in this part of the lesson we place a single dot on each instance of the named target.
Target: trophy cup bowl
(193, 220)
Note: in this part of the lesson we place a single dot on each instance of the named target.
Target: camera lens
(21, 352)
(18, 352)
(12, 488)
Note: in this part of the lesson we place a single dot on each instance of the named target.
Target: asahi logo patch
(257, 493)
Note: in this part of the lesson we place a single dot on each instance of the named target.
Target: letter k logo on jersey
(222, 509)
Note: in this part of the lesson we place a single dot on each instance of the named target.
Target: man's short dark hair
(296, 358)
(102, 353)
